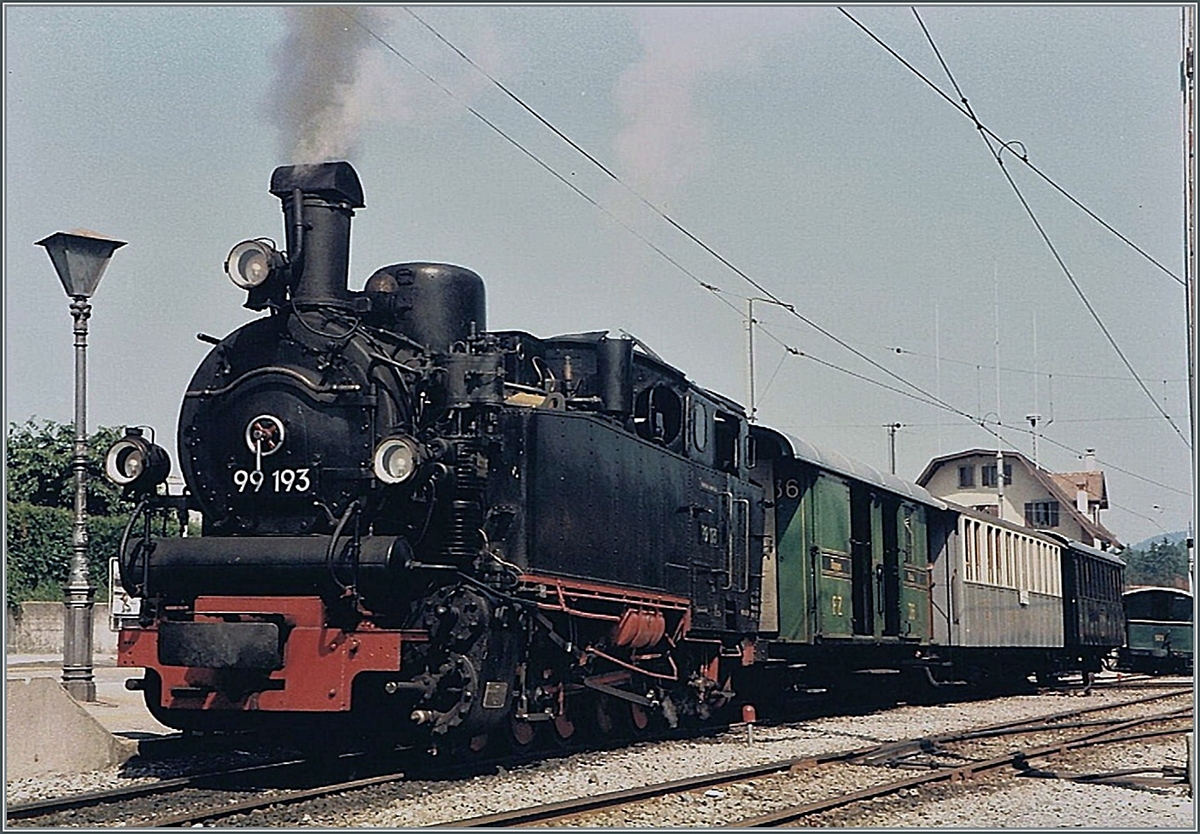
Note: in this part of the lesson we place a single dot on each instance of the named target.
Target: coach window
(1039, 562)
(978, 534)
(1024, 563)
(1010, 571)
(909, 535)
(1180, 608)
(968, 550)
(991, 556)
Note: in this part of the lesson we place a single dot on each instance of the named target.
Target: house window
(966, 476)
(988, 475)
(990, 509)
(1041, 514)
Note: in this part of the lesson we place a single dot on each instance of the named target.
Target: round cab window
(658, 414)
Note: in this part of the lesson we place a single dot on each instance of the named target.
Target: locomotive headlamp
(136, 463)
(396, 459)
(251, 262)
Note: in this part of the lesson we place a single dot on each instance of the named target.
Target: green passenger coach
(846, 565)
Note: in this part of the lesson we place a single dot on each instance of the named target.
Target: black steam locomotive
(419, 530)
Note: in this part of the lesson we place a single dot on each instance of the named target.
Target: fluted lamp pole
(79, 259)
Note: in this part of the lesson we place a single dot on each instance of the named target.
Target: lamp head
(80, 258)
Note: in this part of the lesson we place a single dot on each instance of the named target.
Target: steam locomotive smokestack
(318, 202)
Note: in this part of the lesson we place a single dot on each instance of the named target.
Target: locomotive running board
(631, 697)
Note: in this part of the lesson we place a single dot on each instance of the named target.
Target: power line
(532, 156)
(983, 128)
(1049, 374)
(1037, 223)
(716, 291)
(674, 224)
(926, 398)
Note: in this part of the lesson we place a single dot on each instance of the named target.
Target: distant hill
(1172, 538)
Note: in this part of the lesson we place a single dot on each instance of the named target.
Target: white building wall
(1023, 489)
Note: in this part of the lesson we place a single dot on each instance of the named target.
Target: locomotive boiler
(417, 529)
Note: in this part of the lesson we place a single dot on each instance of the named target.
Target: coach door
(913, 541)
(864, 541)
(831, 569)
(887, 568)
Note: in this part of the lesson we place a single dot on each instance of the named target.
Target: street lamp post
(79, 258)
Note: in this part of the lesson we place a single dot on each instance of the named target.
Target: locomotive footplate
(273, 654)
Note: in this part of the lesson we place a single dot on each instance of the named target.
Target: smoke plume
(664, 136)
(321, 95)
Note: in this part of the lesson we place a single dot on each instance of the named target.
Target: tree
(1163, 563)
(40, 502)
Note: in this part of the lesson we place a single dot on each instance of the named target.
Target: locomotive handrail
(731, 547)
(349, 513)
(728, 542)
(277, 369)
(123, 546)
(745, 546)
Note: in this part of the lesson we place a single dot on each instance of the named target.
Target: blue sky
(784, 138)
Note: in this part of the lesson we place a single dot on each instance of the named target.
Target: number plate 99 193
(279, 480)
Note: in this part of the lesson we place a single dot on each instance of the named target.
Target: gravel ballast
(1007, 801)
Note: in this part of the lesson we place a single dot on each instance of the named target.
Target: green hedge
(40, 485)
(38, 544)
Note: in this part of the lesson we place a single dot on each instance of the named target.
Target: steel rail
(45, 807)
(557, 810)
(195, 817)
(1017, 759)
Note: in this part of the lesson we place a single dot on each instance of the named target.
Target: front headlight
(136, 463)
(251, 262)
(396, 459)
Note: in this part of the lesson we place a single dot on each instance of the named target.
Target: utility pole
(751, 406)
(892, 427)
(1033, 421)
(1188, 81)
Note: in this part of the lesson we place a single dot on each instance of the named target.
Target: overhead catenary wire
(922, 396)
(665, 217)
(998, 153)
(983, 128)
(528, 153)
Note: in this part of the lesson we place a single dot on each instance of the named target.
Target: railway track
(98, 807)
(895, 755)
(211, 797)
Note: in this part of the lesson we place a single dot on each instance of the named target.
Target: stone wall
(37, 628)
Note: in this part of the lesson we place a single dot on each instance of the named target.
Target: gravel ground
(1009, 802)
(1035, 803)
